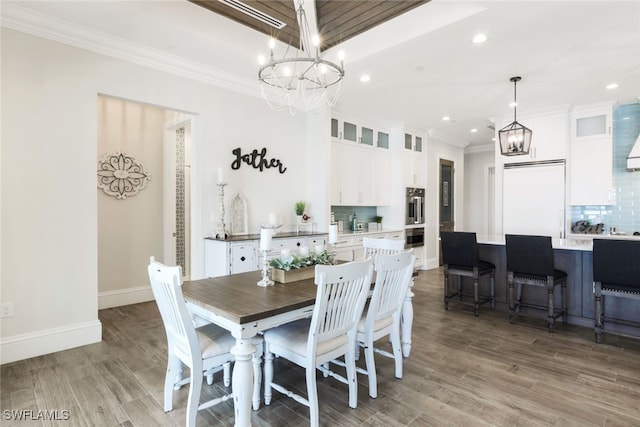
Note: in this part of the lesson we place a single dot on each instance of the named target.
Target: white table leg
(242, 381)
(407, 322)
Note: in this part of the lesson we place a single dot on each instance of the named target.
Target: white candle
(319, 249)
(220, 176)
(273, 220)
(304, 251)
(285, 253)
(265, 239)
(333, 234)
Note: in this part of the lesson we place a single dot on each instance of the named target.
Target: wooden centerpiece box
(293, 275)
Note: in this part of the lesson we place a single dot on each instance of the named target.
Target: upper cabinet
(591, 157)
(413, 161)
(550, 136)
(344, 130)
(592, 122)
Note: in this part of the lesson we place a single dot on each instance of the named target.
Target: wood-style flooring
(463, 371)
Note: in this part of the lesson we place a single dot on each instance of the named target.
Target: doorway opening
(446, 204)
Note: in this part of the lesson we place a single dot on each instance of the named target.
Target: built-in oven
(414, 206)
(414, 237)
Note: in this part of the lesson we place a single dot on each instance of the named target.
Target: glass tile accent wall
(625, 214)
(365, 214)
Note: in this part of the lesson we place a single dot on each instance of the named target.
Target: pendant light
(515, 139)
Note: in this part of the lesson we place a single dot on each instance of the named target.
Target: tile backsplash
(624, 214)
(365, 214)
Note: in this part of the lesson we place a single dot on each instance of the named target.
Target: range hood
(633, 159)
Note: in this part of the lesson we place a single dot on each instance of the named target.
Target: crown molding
(483, 148)
(447, 139)
(27, 21)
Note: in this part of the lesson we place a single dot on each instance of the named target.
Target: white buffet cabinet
(241, 254)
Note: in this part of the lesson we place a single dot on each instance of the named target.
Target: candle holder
(333, 253)
(222, 233)
(266, 281)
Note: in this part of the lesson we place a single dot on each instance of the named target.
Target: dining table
(237, 304)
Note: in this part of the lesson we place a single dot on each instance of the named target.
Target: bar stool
(530, 262)
(616, 272)
(460, 258)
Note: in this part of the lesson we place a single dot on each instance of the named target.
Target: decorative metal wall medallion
(120, 175)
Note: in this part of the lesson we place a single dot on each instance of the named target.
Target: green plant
(295, 262)
(378, 219)
(300, 207)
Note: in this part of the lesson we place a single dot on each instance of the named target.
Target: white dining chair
(383, 315)
(205, 350)
(329, 334)
(373, 247)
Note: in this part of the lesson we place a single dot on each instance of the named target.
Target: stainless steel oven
(414, 237)
(414, 206)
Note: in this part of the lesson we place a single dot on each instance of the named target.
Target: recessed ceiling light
(365, 78)
(446, 118)
(480, 38)
(474, 130)
(612, 86)
(513, 104)
(493, 139)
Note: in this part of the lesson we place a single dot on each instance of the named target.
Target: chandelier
(303, 81)
(515, 139)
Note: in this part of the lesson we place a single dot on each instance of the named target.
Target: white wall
(476, 202)
(49, 198)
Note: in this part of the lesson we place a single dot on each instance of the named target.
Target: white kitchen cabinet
(359, 175)
(349, 247)
(593, 121)
(223, 258)
(591, 169)
(413, 169)
(550, 137)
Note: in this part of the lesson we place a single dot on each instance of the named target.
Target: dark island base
(578, 265)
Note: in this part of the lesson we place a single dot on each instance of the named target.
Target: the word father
(257, 159)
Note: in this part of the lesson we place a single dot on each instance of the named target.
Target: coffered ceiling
(337, 20)
(422, 61)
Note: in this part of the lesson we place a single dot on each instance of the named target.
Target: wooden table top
(237, 297)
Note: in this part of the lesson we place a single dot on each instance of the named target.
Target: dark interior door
(446, 197)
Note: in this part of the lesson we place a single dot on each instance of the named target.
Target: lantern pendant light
(515, 139)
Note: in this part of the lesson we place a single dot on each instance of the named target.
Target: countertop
(256, 236)
(353, 233)
(575, 242)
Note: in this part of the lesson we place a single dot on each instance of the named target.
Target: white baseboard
(432, 263)
(47, 341)
(125, 296)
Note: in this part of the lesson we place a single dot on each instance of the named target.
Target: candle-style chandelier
(304, 81)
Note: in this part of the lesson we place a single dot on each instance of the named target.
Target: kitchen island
(575, 257)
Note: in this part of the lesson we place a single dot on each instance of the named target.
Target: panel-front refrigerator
(533, 199)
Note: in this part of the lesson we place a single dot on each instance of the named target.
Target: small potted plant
(378, 219)
(300, 204)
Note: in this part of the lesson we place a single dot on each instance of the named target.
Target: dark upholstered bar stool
(460, 258)
(616, 272)
(530, 262)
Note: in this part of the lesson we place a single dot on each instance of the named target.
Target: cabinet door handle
(242, 258)
(298, 244)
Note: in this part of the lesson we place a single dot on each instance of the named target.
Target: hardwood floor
(462, 370)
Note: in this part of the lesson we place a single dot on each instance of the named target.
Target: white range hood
(633, 159)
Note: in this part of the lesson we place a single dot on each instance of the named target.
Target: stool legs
(476, 297)
(446, 289)
(550, 317)
(512, 305)
(599, 312)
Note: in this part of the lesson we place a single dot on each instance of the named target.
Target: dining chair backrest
(340, 298)
(529, 254)
(459, 248)
(373, 247)
(393, 278)
(166, 284)
(616, 262)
